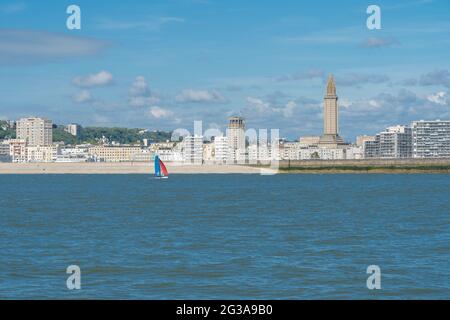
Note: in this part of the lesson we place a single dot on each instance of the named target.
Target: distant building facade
(354, 153)
(4, 152)
(371, 149)
(193, 149)
(115, 153)
(41, 154)
(168, 151)
(291, 150)
(236, 138)
(35, 131)
(310, 140)
(221, 152)
(73, 129)
(209, 151)
(322, 154)
(361, 143)
(75, 154)
(360, 140)
(393, 143)
(431, 139)
(17, 150)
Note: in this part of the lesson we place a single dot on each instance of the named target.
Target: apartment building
(193, 149)
(431, 139)
(41, 154)
(35, 131)
(393, 143)
(115, 153)
(221, 149)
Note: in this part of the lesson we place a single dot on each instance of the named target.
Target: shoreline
(424, 167)
(370, 171)
(120, 168)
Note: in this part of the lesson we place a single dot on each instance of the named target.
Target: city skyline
(329, 139)
(163, 70)
(224, 156)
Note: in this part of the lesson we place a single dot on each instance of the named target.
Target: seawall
(302, 166)
(367, 166)
(118, 168)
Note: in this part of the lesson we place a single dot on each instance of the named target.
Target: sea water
(225, 236)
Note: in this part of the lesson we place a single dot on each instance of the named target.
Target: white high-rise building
(193, 149)
(252, 152)
(431, 139)
(221, 149)
(236, 138)
(35, 131)
(394, 142)
(73, 129)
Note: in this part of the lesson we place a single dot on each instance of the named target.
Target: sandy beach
(120, 168)
(397, 166)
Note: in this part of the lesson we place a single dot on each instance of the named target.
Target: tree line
(95, 135)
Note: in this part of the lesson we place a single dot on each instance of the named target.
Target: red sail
(163, 169)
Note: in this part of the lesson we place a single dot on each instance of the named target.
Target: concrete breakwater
(367, 165)
(118, 168)
(301, 166)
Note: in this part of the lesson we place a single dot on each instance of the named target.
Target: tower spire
(331, 87)
(330, 137)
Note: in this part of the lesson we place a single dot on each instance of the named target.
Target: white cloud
(345, 103)
(257, 104)
(262, 107)
(140, 94)
(99, 79)
(439, 77)
(438, 98)
(139, 102)
(288, 110)
(374, 104)
(139, 87)
(200, 96)
(28, 46)
(83, 96)
(159, 113)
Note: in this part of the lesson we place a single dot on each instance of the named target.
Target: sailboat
(160, 169)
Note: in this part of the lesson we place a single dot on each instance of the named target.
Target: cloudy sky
(162, 64)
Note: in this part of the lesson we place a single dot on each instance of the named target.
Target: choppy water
(225, 236)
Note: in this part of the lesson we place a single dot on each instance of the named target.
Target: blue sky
(163, 64)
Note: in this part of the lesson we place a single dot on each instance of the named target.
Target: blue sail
(157, 167)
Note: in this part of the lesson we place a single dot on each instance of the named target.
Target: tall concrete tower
(330, 135)
(236, 138)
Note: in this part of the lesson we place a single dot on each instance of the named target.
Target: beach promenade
(406, 166)
(119, 168)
